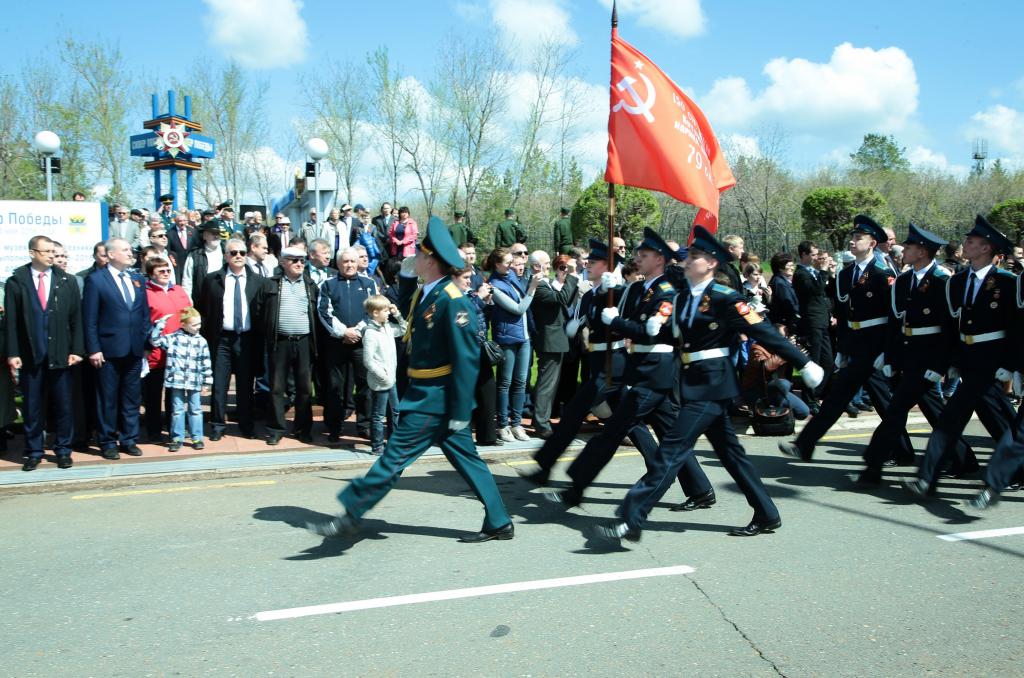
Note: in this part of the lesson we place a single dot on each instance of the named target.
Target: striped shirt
(293, 315)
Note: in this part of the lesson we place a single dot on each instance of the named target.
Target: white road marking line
(981, 534)
(454, 594)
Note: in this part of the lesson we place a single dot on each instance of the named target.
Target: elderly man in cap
(203, 260)
(982, 299)
(862, 313)
(706, 320)
(443, 362)
(917, 347)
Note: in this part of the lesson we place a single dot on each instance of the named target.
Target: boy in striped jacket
(188, 376)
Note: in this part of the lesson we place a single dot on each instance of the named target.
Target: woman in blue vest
(509, 329)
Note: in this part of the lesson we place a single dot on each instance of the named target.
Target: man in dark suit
(44, 340)
(181, 239)
(784, 307)
(115, 315)
(809, 284)
(549, 339)
(230, 302)
(381, 224)
(735, 245)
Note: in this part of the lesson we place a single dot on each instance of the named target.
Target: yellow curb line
(168, 490)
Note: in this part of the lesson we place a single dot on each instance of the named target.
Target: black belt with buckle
(291, 337)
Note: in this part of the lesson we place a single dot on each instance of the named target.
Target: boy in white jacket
(381, 359)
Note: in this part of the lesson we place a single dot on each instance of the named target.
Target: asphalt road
(169, 579)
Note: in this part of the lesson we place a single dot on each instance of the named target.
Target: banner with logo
(76, 225)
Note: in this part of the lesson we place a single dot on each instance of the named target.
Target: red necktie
(181, 236)
(41, 290)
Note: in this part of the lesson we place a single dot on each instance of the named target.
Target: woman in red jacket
(402, 235)
(165, 298)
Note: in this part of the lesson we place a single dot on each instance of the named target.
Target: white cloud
(739, 145)
(470, 12)
(925, 158)
(679, 18)
(858, 89)
(258, 34)
(532, 22)
(1002, 126)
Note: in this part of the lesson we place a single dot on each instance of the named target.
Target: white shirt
(696, 292)
(427, 287)
(229, 302)
(922, 273)
(116, 275)
(981, 273)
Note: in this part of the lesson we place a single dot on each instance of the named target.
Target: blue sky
(934, 74)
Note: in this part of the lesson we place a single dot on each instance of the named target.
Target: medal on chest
(428, 316)
(705, 304)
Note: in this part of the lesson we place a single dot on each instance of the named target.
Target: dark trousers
(486, 403)
(636, 405)
(156, 405)
(1008, 459)
(291, 356)
(574, 413)
(710, 418)
(860, 373)
(38, 383)
(913, 389)
(415, 433)
(234, 354)
(819, 349)
(347, 376)
(549, 369)
(118, 399)
(569, 378)
(979, 393)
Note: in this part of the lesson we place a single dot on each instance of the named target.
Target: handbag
(772, 419)
(492, 351)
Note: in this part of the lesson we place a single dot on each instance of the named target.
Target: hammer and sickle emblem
(640, 106)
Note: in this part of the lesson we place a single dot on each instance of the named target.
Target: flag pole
(610, 300)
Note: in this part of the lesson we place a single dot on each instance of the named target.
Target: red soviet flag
(659, 139)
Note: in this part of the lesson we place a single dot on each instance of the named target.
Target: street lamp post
(317, 149)
(47, 143)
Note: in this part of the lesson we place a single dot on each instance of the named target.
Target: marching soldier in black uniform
(596, 393)
(918, 346)
(983, 300)
(862, 314)
(707, 320)
(650, 375)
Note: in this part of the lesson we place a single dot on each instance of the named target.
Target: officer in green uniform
(562, 232)
(443, 363)
(166, 211)
(461, 233)
(508, 232)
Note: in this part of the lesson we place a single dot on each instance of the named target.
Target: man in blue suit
(115, 316)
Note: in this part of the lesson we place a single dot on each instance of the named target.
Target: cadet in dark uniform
(983, 300)
(562, 232)
(707, 321)
(508, 232)
(596, 392)
(862, 313)
(443, 361)
(650, 374)
(918, 346)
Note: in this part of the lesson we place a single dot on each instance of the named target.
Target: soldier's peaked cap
(705, 242)
(598, 250)
(919, 236)
(653, 241)
(439, 243)
(862, 223)
(985, 230)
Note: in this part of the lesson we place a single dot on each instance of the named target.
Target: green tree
(880, 153)
(634, 209)
(828, 212)
(1008, 217)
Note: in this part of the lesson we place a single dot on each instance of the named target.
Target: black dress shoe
(30, 464)
(216, 435)
(919, 488)
(869, 476)
(756, 527)
(111, 453)
(701, 501)
(333, 438)
(563, 499)
(502, 533)
(790, 449)
(273, 438)
(615, 533)
(305, 438)
(852, 412)
(543, 433)
(985, 499)
(539, 477)
(342, 525)
(64, 461)
(131, 450)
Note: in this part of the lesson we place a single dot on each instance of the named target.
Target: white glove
(573, 326)
(932, 376)
(654, 325)
(1018, 384)
(1004, 375)
(409, 267)
(609, 314)
(812, 374)
(887, 371)
(608, 280)
(841, 361)
(952, 374)
(880, 362)
(457, 424)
